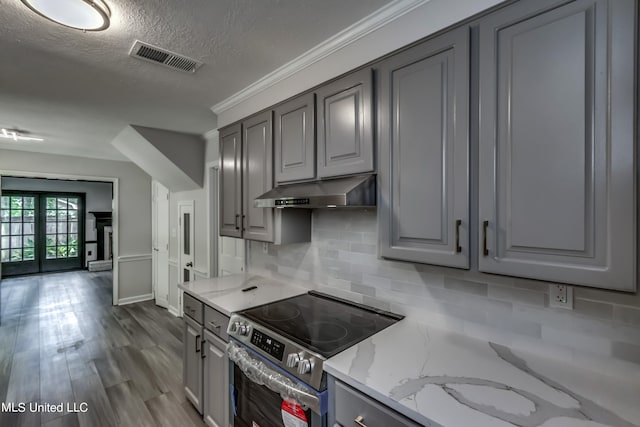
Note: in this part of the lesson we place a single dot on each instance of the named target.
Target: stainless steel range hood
(352, 191)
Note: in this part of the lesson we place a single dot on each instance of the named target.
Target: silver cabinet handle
(198, 341)
(214, 326)
(359, 421)
(458, 247)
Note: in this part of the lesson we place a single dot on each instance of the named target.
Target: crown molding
(370, 23)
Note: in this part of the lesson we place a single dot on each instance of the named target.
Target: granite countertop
(440, 378)
(226, 295)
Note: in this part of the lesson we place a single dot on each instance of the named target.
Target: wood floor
(61, 341)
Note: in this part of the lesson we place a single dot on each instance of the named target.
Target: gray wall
(97, 194)
(342, 260)
(134, 246)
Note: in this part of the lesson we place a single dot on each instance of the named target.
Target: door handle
(458, 247)
(244, 222)
(485, 250)
(189, 264)
(236, 222)
(198, 341)
(203, 353)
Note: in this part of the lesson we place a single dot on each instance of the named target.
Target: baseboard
(174, 311)
(132, 300)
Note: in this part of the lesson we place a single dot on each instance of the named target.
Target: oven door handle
(260, 373)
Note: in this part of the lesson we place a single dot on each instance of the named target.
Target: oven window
(256, 404)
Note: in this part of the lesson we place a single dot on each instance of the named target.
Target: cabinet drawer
(216, 322)
(192, 308)
(351, 404)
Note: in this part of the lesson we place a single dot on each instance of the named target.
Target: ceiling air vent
(154, 54)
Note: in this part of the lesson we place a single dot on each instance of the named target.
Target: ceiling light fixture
(16, 136)
(87, 15)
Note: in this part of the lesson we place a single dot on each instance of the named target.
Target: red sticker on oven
(293, 415)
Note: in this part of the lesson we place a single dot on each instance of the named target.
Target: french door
(41, 232)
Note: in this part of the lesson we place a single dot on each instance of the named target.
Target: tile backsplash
(342, 260)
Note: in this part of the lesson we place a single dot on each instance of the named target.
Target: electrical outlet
(561, 296)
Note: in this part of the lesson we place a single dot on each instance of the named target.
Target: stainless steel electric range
(279, 349)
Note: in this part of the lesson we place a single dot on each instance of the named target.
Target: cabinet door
(295, 140)
(257, 148)
(424, 143)
(345, 127)
(230, 181)
(192, 363)
(557, 163)
(216, 382)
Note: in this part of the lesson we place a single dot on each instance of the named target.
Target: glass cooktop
(323, 324)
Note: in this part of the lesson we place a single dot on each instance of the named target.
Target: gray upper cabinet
(294, 140)
(423, 119)
(257, 148)
(345, 126)
(557, 164)
(230, 181)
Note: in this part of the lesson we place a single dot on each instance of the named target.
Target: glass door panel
(63, 238)
(18, 234)
(41, 232)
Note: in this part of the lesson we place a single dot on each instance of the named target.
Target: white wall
(134, 216)
(427, 19)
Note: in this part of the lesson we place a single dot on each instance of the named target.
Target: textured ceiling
(78, 90)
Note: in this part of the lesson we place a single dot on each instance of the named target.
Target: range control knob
(293, 359)
(244, 329)
(234, 327)
(305, 366)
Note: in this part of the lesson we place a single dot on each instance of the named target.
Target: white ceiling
(79, 90)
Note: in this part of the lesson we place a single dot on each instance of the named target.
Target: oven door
(264, 396)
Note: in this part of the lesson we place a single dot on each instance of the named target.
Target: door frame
(114, 209)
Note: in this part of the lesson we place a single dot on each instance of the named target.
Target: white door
(231, 256)
(186, 236)
(161, 244)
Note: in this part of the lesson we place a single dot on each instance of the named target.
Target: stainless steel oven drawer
(216, 322)
(193, 308)
(354, 408)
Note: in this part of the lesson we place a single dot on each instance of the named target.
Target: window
(17, 222)
(61, 227)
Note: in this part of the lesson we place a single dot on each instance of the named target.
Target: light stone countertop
(225, 293)
(440, 378)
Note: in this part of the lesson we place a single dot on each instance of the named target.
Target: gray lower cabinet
(192, 362)
(257, 176)
(295, 140)
(423, 119)
(349, 407)
(345, 125)
(556, 165)
(230, 181)
(216, 381)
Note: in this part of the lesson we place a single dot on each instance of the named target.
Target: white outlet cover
(561, 296)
